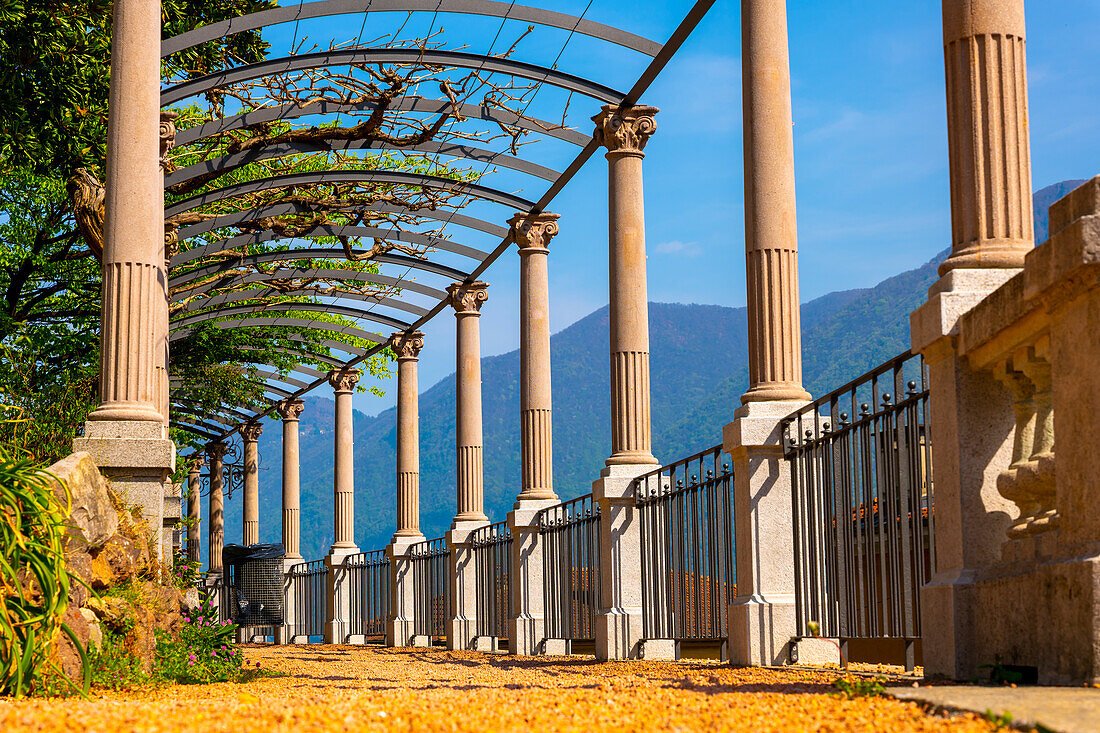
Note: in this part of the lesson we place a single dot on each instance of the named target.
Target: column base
(338, 595)
(527, 629)
(619, 634)
(462, 626)
(760, 630)
(400, 626)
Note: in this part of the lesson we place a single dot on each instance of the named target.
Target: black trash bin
(254, 584)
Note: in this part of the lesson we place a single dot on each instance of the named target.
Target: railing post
(761, 618)
(972, 416)
(343, 382)
(624, 132)
(399, 627)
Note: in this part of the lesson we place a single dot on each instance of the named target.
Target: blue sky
(870, 147)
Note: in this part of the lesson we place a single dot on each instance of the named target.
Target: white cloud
(676, 247)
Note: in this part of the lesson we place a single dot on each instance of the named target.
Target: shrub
(34, 582)
(204, 652)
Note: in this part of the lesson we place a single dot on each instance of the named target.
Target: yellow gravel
(364, 688)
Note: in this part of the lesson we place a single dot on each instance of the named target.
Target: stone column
(215, 453)
(290, 411)
(250, 433)
(126, 434)
(466, 299)
(762, 616)
(987, 133)
(972, 415)
(343, 383)
(532, 234)
(624, 132)
(399, 631)
(194, 512)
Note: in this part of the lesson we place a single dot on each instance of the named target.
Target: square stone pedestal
(338, 596)
(399, 627)
(462, 626)
(527, 629)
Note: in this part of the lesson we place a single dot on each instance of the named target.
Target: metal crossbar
(431, 569)
(863, 507)
(369, 583)
(308, 584)
(571, 568)
(492, 550)
(687, 541)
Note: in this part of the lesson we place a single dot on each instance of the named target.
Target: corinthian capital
(251, 431)
(467, 298)
(534, 231)
(343, 380)
(167, 134)
(625, 131)
(289, 409)
(216, 451)
(407, 345)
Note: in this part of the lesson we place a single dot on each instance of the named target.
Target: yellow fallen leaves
(328, 688)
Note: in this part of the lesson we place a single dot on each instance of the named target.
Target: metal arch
(522, 13)
(224, 408)
(316, 254)
(328, 230)
(347, 57)
(299, 323)
(341, 310)
(284, 209)
(203, 418)
(200, 428)
(290, 111)
(399, 178)
(303, 273)
(453, 150)
(276, 377)
(305, 354)
(283, 394)
(254, 293)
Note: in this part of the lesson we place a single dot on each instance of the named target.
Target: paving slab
(1061, 709)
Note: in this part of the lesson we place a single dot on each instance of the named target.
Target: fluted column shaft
(625, 132)
(466, 299)
(290, 411)
(532, 234)
(194, 511)
(134, 311)
(987, 132)
(216, 535)
(250, 434)
(771, 234)
(407, 346)
(343, 383)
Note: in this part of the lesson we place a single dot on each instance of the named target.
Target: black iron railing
(308, 586)
(571, 568)
(431, 569)
(369, 582)
(492, 550)
(863, 505)
(687, 548)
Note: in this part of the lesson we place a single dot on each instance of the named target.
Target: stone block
(816, 651)
(659, 650)
(91, 512)
(419, 640)
(555, 647)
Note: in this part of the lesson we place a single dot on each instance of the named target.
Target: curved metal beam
(298, 323)
(329, 230)
(254, 293)
(314, 254)
(521, 13)
(346, 57)
(223, 408)
(204, 418)
(305, 273)
(285, 209)
(201, 429)
(268, 152)
(276, 377)
(399, 178)
(290, 111)
(336, 363)
(394, 323)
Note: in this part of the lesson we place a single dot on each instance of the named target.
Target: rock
(123, 555)
(142, 641)
(102, 575)
(95, 632)
(92, 515)
(116, 613)
(66, 653)
(191, 600)
(79, 564)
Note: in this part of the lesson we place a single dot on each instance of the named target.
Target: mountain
(699, 369)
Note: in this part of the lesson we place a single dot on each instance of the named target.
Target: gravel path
(363, 688)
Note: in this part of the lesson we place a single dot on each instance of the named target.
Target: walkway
(356, 688)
